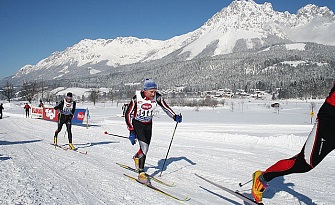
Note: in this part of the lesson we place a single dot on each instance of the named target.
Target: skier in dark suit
(66, 109)
(1, 108)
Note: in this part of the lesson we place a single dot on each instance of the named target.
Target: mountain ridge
(240, 27)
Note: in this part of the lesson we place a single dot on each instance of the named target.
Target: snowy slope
(219, 144)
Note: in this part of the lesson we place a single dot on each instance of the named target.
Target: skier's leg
(143, 141)
(59, 128)
(69, 132)
(319, 144)
(142, 154)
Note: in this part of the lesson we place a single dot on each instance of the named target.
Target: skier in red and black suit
(139, 116)
(320, 142)
(27, 109)
(66, 108)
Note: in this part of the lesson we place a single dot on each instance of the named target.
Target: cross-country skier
(320, 142)
(1, 108)
(139, 121)
(66, 109)
(27, 108)
(41, 104)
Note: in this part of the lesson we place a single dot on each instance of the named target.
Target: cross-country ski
(152, 178)
(186, 198)
(235, 193)
(64, 147)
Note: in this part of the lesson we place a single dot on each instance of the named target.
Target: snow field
(222, 145)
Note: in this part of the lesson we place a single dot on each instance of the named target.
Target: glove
(178, 118)
(132, 137)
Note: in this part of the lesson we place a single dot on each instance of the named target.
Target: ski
(159, 190)
(66, 148)
(62, 147)
(235, 193)
(148, 175)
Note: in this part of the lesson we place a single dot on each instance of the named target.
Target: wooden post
(86, 118)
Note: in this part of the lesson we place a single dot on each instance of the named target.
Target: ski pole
(174, 131)
(240, 184)
(115, 135)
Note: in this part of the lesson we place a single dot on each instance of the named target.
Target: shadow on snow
(3, 158)
(2, 142)
(222, 197)
(91, 144)
(168, 162)
(278, 185)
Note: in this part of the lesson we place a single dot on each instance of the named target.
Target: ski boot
(142, 177)
(55, 140)
(71, 146)
(137, 163)
(258, 186)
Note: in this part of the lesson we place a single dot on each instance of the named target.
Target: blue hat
(149, 84)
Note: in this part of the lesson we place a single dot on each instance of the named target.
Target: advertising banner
(50, 114)
(79, 116)
(37, 111)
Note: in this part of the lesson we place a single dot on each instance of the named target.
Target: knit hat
(69, 95)
(149, 84)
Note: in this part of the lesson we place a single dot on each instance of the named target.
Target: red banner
(50, 114)
(37, 111)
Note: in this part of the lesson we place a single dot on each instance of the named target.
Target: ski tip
(187, 198)
(81, 152)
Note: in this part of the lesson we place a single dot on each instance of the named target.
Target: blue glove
(132, 137)
(178, 118)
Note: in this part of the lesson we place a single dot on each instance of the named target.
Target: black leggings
(143, 132)
(67, 120)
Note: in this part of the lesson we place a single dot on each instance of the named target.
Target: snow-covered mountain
(243, 25)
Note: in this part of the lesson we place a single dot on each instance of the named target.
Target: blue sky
(31, 30)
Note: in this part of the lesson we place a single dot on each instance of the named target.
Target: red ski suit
(320, 142)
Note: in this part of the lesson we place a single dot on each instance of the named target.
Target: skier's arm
(60, 104)
(161, 102)
(74, 107)
(131, 107)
